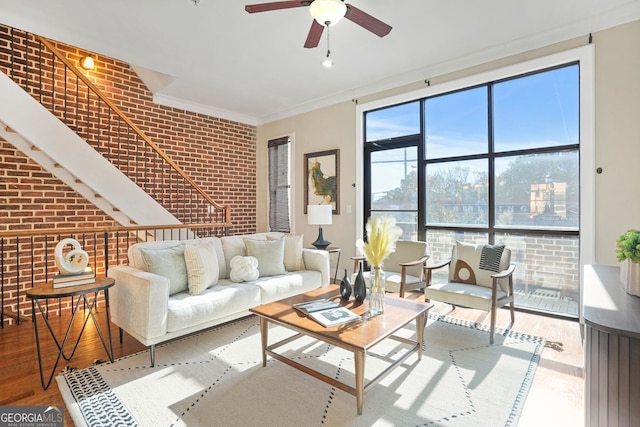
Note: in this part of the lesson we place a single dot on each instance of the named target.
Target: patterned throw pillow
(467, 266)
(244, 269)
(490, 257)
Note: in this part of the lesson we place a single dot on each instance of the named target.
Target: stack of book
(327, 313)
(61, 281)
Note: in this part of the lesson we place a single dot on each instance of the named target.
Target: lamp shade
(319, 214)
(327, 12)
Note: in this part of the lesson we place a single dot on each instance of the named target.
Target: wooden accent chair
(404, 269)
(480, 277)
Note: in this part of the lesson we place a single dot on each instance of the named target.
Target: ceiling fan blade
(276, 5)
(315, 32)
(367, 21)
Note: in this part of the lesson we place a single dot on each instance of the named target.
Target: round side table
(47, 292)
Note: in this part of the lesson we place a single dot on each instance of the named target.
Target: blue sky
(533, 111)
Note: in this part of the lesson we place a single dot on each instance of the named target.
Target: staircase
(54, 114)
(28, 126)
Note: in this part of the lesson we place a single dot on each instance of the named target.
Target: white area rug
(216, 378)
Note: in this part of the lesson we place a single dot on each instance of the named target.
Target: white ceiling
(217, 59)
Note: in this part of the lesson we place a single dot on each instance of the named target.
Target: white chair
(404, 269)
(480, 277)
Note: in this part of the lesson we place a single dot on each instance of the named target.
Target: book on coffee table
(315, 305)
(334, 316)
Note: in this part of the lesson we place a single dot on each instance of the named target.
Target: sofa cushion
(168, 262)
(274, 288)
(202, 267)
(293, 260)
(244, 269)
(270, 255)
(216, 302)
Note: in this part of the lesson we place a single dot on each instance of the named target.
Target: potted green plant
(628, 251)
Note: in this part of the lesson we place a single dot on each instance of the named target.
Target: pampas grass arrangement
(383, 234)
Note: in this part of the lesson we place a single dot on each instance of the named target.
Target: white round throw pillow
(243, 268)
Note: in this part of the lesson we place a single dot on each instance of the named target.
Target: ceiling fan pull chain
(328, 41)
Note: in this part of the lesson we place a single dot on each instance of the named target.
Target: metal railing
(27, 257)
(52, 79)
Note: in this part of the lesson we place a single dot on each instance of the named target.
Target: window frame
(275, 213)
(584, 56)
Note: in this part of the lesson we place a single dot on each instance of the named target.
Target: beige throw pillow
(293, 260)
(270, 255)
(202, 267)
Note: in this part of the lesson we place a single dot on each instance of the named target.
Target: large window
(493, 163)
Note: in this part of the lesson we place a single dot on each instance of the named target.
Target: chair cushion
(462, 294)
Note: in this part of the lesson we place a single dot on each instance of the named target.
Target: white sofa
(176, 287)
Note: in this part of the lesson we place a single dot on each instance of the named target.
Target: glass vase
(376, 292)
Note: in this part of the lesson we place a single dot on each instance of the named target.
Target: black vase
(345, 286)
(360, 287)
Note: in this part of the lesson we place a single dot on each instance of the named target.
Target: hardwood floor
(554, 399)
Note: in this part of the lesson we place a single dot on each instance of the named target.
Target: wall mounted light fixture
(87, 63)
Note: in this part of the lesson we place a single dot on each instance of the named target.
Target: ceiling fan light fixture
(327, 12)
(327, 62)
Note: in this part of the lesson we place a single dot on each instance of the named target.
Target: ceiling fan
(325, 14)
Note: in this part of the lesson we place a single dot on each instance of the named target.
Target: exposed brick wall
(32, 198)
(219, 155)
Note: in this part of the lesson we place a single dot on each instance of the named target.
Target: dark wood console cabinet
(612, 349)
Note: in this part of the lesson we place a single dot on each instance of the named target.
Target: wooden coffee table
(358, 337)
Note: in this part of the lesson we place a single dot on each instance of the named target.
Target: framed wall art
(322, 183)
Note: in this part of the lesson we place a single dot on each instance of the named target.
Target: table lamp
(320, 215)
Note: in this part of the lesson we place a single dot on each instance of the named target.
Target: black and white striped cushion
(490, 257)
